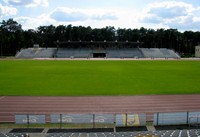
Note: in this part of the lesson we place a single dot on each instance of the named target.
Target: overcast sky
(178, 14)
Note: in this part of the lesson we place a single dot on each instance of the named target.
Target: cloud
(169, 9)
(163, 14)
(67, 15)
(96, 18)
(33, 23)
(76, 17)
(167, 14)
(104, 17)
(71, 14)
(7, 11)
(27, 3)
(18, 2)
(173, 14)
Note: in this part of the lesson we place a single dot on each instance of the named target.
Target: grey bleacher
(46, 53)
(158, 53)
(178, 133)
(26, 53)
(65, 53)
(112, 53)
(169, 53)
(130, 53)
(82, 53)
(152, 53)
(12, 135)
(165, 52)
(74, 52)
(173, 54)
(36, 53)
(162, 133)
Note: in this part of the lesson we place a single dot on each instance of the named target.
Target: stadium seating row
(161, 133)
(158, 53)
(36, 53)
(90, 53)
(165, 133)
(14, 135)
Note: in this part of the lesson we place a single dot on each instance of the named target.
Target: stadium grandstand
(97, 49)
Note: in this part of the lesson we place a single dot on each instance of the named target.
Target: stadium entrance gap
(99, 55)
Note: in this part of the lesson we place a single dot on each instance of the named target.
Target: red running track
(11, 105)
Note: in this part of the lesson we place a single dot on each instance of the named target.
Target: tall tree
(11, 37)
(46, 35)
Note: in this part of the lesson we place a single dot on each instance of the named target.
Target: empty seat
(130, 53)
(36, 53)
(158, 53)
(65, 53)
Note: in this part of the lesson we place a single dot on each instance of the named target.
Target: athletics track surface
(11, 105)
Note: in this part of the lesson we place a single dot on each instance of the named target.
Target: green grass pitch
(82, 78)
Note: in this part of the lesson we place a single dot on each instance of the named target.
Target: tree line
(13, 37)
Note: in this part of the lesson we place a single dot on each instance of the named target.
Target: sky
(177, 14)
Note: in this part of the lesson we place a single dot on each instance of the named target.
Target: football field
(98, 77)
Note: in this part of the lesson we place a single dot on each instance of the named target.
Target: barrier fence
(178, 118)
(116, 120)
(129, 120)
(119, 120)
(30, 119)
